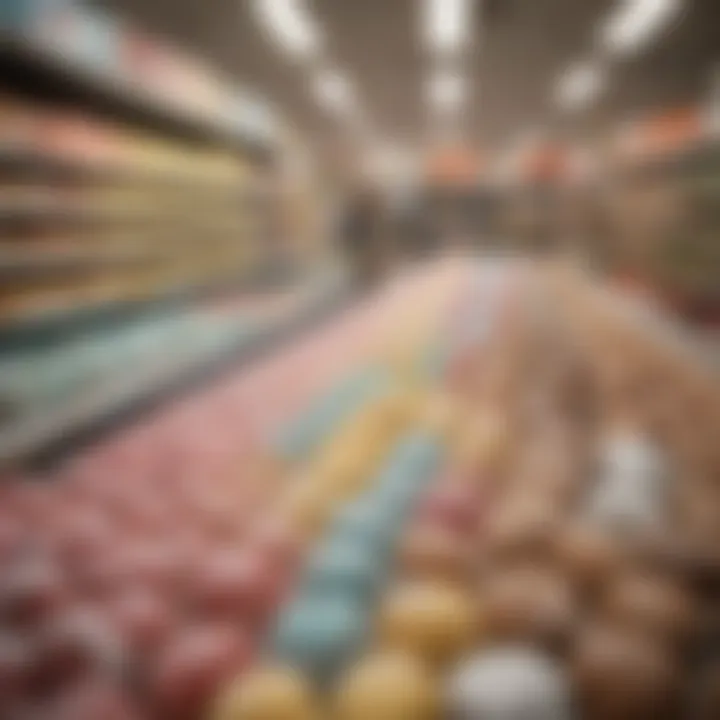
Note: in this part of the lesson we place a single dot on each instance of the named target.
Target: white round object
(633, 457)
(508, 683)
(631, 492)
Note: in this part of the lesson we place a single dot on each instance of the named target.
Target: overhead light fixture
(445, 90)
(636, 22)
(333, 91)
(290, 25)
(446, 24)
(579, 85)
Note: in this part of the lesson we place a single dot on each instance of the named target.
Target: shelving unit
(668, 211)
(128, 372)
(36, 58)
(135, 186)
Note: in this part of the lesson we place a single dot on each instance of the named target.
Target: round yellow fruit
(434, 620)
(267, 694)
(387, 686)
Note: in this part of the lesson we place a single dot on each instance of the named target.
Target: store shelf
(28, 213)
(28, 69)
(36, 262)
(131, 179)
(47, 434)
(26, 163)
(698, 349)
(695, 159)
(17, 218)
(34, 324)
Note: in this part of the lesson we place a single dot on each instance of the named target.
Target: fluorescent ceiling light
(636, 22)
(580, 85)
(445, 90)
(333, 91)
(290, 25)
(446, 24)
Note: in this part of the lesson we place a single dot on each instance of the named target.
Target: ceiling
(520, 47)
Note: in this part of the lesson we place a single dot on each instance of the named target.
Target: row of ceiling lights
(628, 29)
(446, 33)
(445, 30)
(291, 26)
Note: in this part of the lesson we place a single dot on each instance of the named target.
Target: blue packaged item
(364, 521)
(344, 567)
(320, 635)
(411, 467)
(415, 458)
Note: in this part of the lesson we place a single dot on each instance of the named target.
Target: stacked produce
(468, 503)
(144, 574)
(537, 576)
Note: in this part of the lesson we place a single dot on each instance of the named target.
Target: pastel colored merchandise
(387, 686)
(345, 568)
(434, 620)
(267, 693)
(508, 683)
(319, 636)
